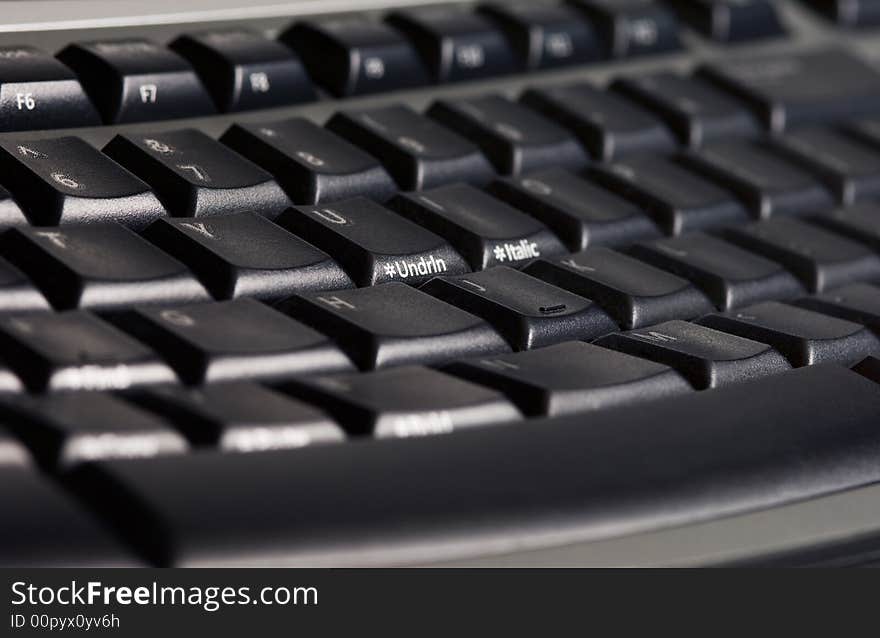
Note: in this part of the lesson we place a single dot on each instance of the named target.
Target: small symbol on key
(200, 173)
(500, 253)
(389, 271)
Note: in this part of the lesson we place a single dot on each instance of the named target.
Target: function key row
(133, 80)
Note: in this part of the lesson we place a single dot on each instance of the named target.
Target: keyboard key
(312, 164)
(514, 138)
(849, 13)
(12, 452)
(572, 377)
(232, 341)
(819, 258)
(395, 324)
(798, 89)
(858, 303)
(356, 56)
(608, 125)
(850, 169)
(545, 36)
(528, 312)
(762, 178)
(485, 231)
(17, 293)
(869, 368)
(137, 80)
(632, 466)
(580, 213)
(240, 417)
(246, 255)
(707, 358)
(38, 92)
(633, 27)
(50, 528)
(732, 21)
(417, 151)
(677, 199)
(68, 428)
(860, 223)
(634, 293)
(406, 402)
(102, 267)
(195, 175)
(66, 180)
(456, 45)
(803, 336)
(75, 350)
(730, 276)
(243, 70)
(696, 111)
(373, 244)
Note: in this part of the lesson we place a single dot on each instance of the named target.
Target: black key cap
(819, 258)
(697, 111)
(486, 231)
(10, 213)
(17, 293)
(848, 167)
(373, 244)
(68, 428)
(797, 89)
(528, 312)
(312, 164)
(634, 293)
(233, 340)
(417, 151)
(633, 27)
(456, 44)
(195, 175)
(730, 276)
(762, 178)
(38, 92)
(631, 468)
(137, 80)
(732, 20)
(356, 56)
(49, 528)
(102, 267)
(677, 199)
(606, 123)
(246, 255)
(12, 452)
(545, 36)
(803, 336)
(243, 70)
(577, 211)
(707, 358)
(66, 180)
(869, 368)
(572, 377)
(849, 13)
(407, 402)
(858, 303)
(514, 138)
(75, 350)
(240, 417)
(860, 223)
(395, 324)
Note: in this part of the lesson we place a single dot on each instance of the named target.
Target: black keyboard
(516, 283)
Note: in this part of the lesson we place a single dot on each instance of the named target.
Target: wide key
(246, 255)
(195, 175)
(634, 293)
(485, 231)
(395, 324)
(406, 402)
(528, 312)
(66, 180)
(805, 337)
(707, 358)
